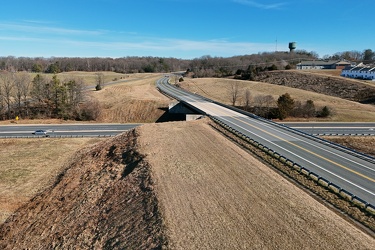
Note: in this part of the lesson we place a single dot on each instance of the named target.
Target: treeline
(267, 107)
(62, 98)
(66, 64)
(202, 67)
(367, 56)
(208, 66)
(205, 66)
(285, 106)
(44, 97)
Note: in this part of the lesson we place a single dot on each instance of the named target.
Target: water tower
(292, 46)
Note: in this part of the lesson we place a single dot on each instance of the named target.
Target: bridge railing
(296, 131)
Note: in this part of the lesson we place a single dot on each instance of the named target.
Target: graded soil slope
(103, 200)
(214, 195)
(177, 185)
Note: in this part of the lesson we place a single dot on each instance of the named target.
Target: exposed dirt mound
(177, 185)
(328, 85)
(103, 200)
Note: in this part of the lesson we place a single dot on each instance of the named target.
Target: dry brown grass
(197, 174)
(217, 196)
(343, 110)
(326, 72)
(133, 101)
(90, 78)
(28, 166)
(364, 144)
(336, 73)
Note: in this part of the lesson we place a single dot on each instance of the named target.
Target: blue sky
(184, 29)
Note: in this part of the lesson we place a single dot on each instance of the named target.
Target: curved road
(352, 172)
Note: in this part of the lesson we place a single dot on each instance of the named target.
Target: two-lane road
(351, 172)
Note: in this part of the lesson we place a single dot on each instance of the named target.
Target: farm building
(323, 64)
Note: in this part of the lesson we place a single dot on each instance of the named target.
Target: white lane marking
(311, 144)
(368, 191)
(223, 110)
(226, 112)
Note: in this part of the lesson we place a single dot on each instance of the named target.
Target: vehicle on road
(41, 132)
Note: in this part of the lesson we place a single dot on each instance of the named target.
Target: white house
(360, 71)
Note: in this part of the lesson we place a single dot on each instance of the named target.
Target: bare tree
(7, 84)
(247, 99)
(99, 81)
(41, 92)
(74, 91)
(38, 87)
(22, 88)
(2, 105)
(263, 104)
(234, 92)
(269, 102)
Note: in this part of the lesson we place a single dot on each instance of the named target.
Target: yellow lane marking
(297, 146)
(306, 150)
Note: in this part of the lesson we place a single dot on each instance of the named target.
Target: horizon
(181, 29)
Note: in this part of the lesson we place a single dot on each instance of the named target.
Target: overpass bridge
(350, 172)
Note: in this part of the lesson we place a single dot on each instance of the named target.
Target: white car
(41, 132)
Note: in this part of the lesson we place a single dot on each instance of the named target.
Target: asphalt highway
(66, 130)
(353, 172)
(366, 129)
(334, 128)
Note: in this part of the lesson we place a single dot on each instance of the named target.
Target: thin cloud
(21, 38)
(135, 45)
(155, 45)
(260, 5)
(46, 29)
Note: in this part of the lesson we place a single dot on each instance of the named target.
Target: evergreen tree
(285, 104)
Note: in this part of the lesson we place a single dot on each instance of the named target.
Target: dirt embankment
(177, 185)
(328, 85)
(104, 199)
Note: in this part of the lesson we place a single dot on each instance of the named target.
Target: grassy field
(90, 78)
(27, 166)
(135, 101)
(342, 110)
(337, 73)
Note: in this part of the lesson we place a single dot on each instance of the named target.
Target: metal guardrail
(338, 134)
(302, 170)
(296, 131)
